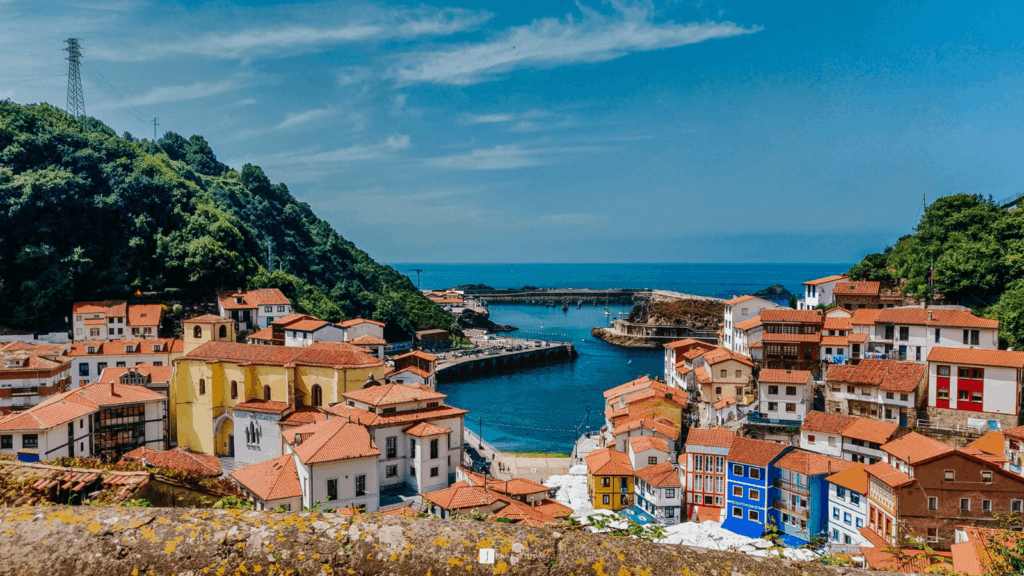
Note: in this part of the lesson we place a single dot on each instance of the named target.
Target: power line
(31, 79)
(76, 99)
(117, 92)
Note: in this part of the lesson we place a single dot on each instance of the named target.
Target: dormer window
(129, 348)
(158, 347)
(91, 349)
(239, 300)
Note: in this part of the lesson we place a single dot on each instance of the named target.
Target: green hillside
(977, 251)
(85, 214)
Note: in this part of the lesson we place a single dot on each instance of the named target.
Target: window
(280, 308)
(390, 410)
(606, 500)
(840, 492)
(433, 449)
(851, 389)
(83, 369)
(719, 464)
(652, 460)
(790, 407)
(412, 448)
(773, 406)
(121, 364)
(737, 491)
(197, 332)
(790, 390)
(847, 518)
(390, 471)
(110, 331)
(937, 332)
(904, 397)
(754, 515)
(949, 475)
(977, 373)
(943, 371)
(986, 505)
(755, 473)
(724, 373)
(718, 390)
(737, 470)
(810, 438)
(100, 367)
(318, 395)
(1016, 505)
(773, 389)
(361, 485)
(718, 501)
(222, 332)
(754, 494)
(831, 440)
(433, 472)
(332, 489)
(917, 354)
(933, 534)
(986, 476)
(6, 441)
(976, 396)
(965, 504)
(234, 390)
(624, 500)
(670, 512)
(963, 395)
(606, 482)
(835, 512)
(904, 333)
(942, 394)
(854, 498)
(266, 392)
(737, 512)
(718, 484)
(739, 373)
(268, 309)
(890, 396)
(391, 447)
(670, 493)
(202, 387)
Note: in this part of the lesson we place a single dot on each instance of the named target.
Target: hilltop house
(90, 357)
(911, 333)
(253, 309)
(748, 482)
(819, 292)
(785, 395)
(29, 374)
(96, 420)
(416, 367)
(115, 320)
(853, 295)
(703, 469)
(737, 310)
(972, 387)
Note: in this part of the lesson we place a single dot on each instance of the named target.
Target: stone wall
(69, 541)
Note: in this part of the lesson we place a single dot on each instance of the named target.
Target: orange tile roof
(935, 317)
(462, 496)
(977, 357)
(991, 443)
(643, 443)
(271, 480)
(338, 355)
(835, 323)
(857, 288)
(388, 394)
(738, 299)
(756, 345)
(413, 370)
(888, 475)
(719, 355)
(264, 406)
(513, 487)
(367, 340)
(827, 422)
(308, 325)
(754, 452)
(825, 280)
(715, 437)
(852, 478)
(865, 316)
(748, 324)
(331, 440)
(180, 458)
(252, 298)
(417, 354)
(608, 462)
(835, 341)
(120, 347)
(1017, 432)
(66, 406)
(725, 402)
(772, 337)
(975, 555)
(857, 337)
(207, 319)
(688, 342)
(302, 416)
(144, 314)
(156, 374)
(402, 417)
(116, 308)
(811, 463)
(44, 417)
(915, 448)
(870, 430)
(663, 475)
(553, 508)
(790, 315)
(979, 454)
(913, 560)
(425, 429)
(262, 334)
(888, 375)
(660, 427)
(641, 383)
(356, 321)
(775, 375)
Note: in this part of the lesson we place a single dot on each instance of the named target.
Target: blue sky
(665, 131)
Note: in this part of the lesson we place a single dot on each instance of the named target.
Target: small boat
(583, 339)
(606, 312)
(565, 307)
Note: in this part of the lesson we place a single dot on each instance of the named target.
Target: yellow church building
(216, 375)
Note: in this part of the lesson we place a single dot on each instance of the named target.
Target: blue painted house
(799, 495)
(748, 484)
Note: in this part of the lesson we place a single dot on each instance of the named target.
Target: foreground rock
(59, 541)
(623, 340)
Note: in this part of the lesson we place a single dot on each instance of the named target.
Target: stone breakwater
(65, 541)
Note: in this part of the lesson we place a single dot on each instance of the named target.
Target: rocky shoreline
(622, 340)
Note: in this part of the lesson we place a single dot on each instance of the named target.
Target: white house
(911, 333)
(819, 292)
(974, 387)
(258, 434)
(273, 484)
(307, 331)
(336, 462)
(105, 420)
(847, 509)
(91, 357)
(883, 389)
(357, 327)
(115, 320)
(785, 394)
(674, 356)
(737, 310)
(847, 437)
(658, 491)
(646, 451)
(746, 337)
(253, 309)
(29, 374)
(409, 375)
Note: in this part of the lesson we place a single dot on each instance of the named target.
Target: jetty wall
(468, 366)
(66, 541)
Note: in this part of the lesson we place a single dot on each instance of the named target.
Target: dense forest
(85, 214)
(977, 251)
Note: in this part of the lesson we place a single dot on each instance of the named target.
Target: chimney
(929, 315)
(298, 439)
(112, 388)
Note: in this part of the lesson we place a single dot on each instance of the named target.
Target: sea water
(544, 407)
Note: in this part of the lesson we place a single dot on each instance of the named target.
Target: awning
(637, 515)
(743, 527)
(792, 541)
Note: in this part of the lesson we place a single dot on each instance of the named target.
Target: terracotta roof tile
(725, 402)
(180, 458)
(120, 347)
(991, 443)
(45, 417)
(935, 317)
(790, 315)
(608, 462)
(870, 430)
(977, 357)
(301, 416)
(367, 340)
(252, 298)
(827, 422)
(425, 429)
(144, 314)
(754, 452)
(658, 426)
(357, 321)
(271, 480)
(643, 443)
(207, 319)
(264, 334)
(888, 375)
(811, 463)
(773, 337)
(513, 487)
(852, 478)
(833, 323)
(308, 325)
(857, 337)
(663, 475)
(402, 417)
(689, 342)
(835, 341)
(714, 437)
(865, 316)
(388, 394)
(748, 324)
(825, 280)
(413, 370)
(264, 406)
(462, 496)
(857, 288)
(417, 354)
(719, 355)
(1017, 432)
(703, 376)
(888, 475)
(156, 374)
(322, 354)
(641, 383)
(94, 321)
(738, 300)
(915, 448)
(331, 440)
(775, 375)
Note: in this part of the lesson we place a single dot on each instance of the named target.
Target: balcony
(757, 418)
(32, 391)
(791, 486)
(798, 511)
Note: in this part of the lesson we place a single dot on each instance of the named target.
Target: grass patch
(528, 454)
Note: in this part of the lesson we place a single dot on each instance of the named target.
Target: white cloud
(551, 42)
(297, 118)
(328, 160)
(489, 118)
(502, 157)
(292, 37)
(193, 91)
(6, 94)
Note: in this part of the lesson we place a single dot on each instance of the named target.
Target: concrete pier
(534, 352)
